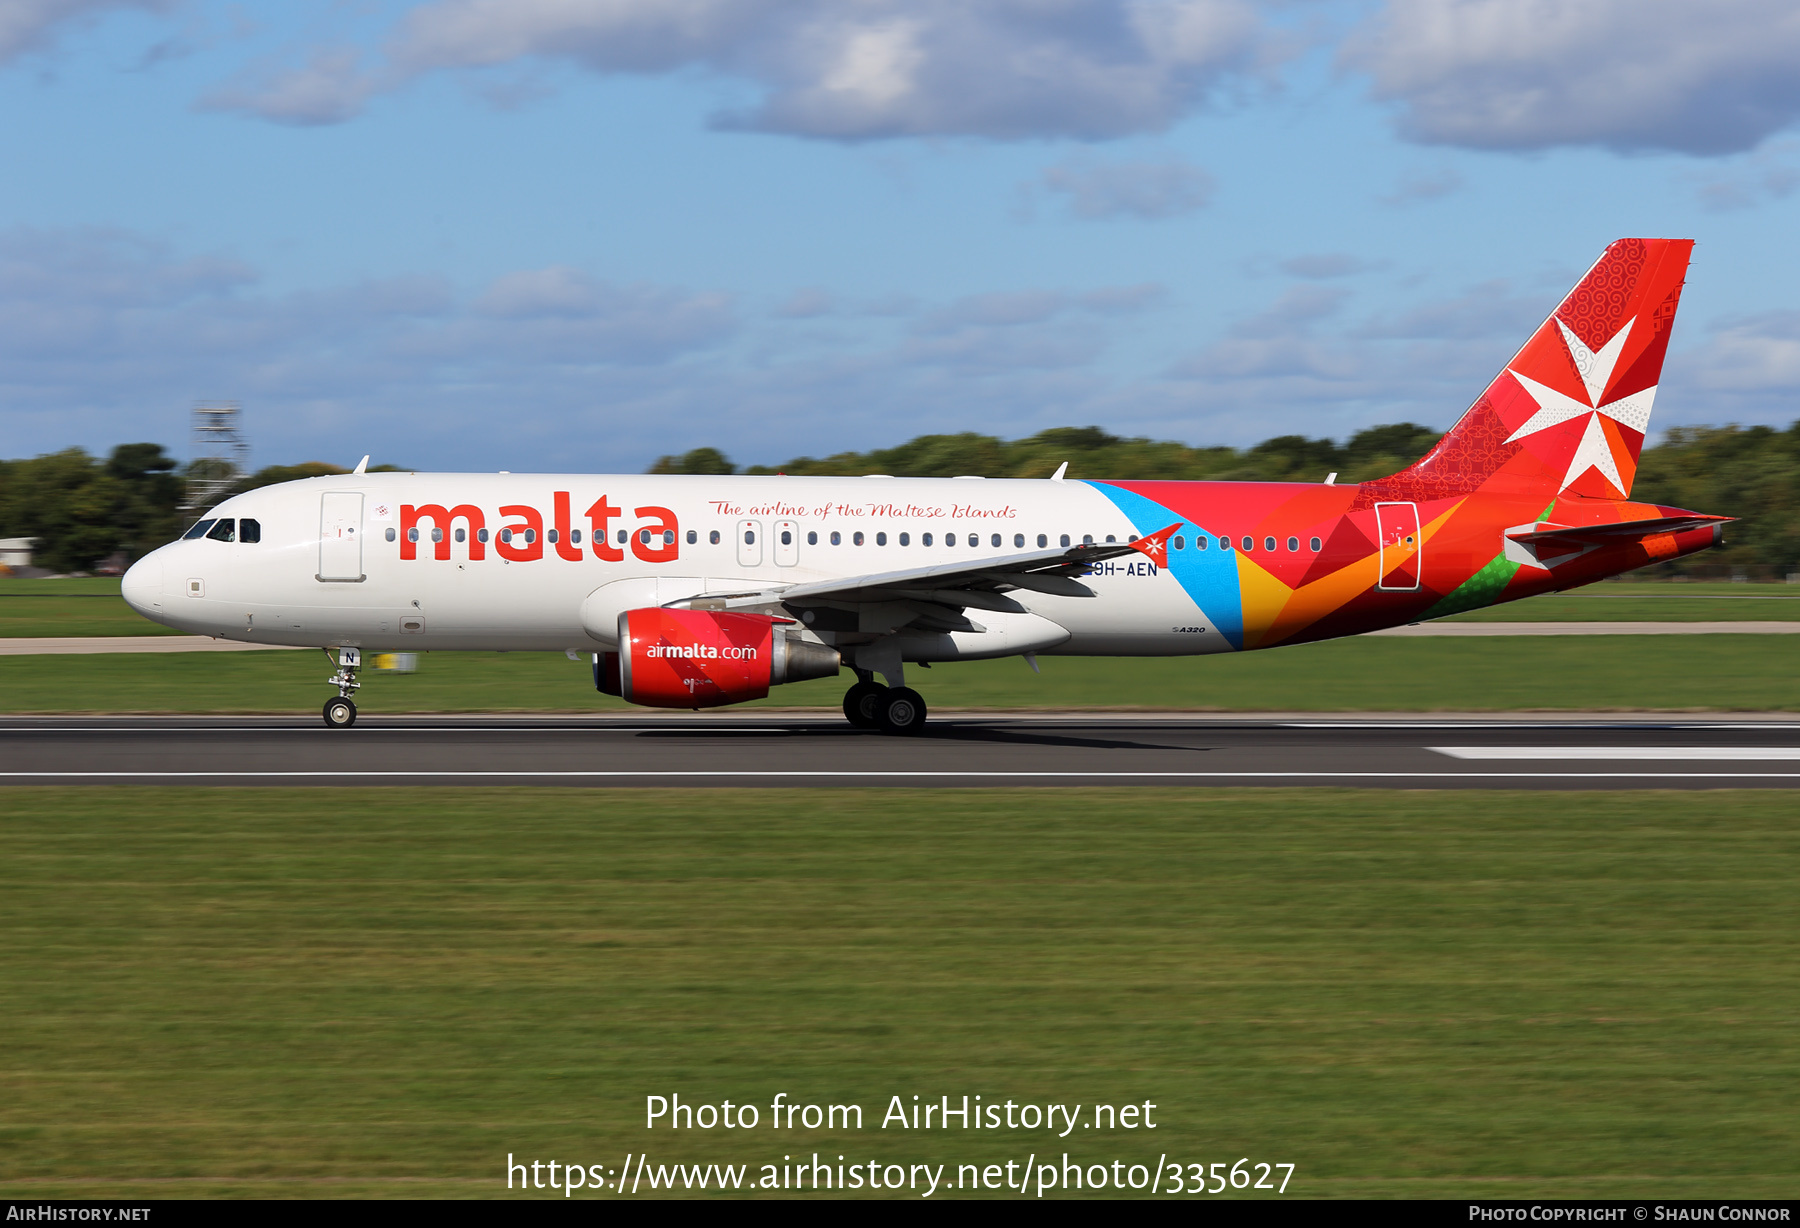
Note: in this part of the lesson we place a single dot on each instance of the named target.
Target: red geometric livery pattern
(1529, 492)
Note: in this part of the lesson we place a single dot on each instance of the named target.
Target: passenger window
(223, 531)
(1269, 544)
(1111, 540)
(412, 535)
(1200, 542)
(437, 535)
(749, 537)
(881, 539)
(787, 537)
(624, 536)
(812, 538)
(1043, 540)
(1225, 543)
(1293, 545)
(925, 540)
(906, 539)
(481, 535)
(505, 535)
(462, 535)
(1087, 539)
(644, 537)
(1180, 544)
(1065, 539)
(692, 537)
(530, 536)
(551, 537)
(668, 537)
(1315, 544)
(250, 531)
(713, 537)
(1249, 544)
(857, 540)
(574, 537)
(390, 535)
(199, 530)
(950, 539)
(837, 539)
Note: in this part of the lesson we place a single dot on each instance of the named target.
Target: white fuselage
(331, 566)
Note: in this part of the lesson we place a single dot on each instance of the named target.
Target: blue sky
(548, 234)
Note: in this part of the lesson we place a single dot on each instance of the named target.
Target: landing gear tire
(859, 704)
(901, 710)
(340, 713)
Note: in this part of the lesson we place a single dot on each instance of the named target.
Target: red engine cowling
(705, 658)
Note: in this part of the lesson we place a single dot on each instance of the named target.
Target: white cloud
(1758, 355)
(1148, 190)
(1771, 173)
(1701, 78)
(29, 25)
(1005, 69)
(330, 87)
(107, 336)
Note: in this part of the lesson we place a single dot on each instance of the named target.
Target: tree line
(83, 509)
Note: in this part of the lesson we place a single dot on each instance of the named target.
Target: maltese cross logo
(1156, 546)
(1554, 408)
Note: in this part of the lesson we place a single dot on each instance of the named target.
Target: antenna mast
(221, 453)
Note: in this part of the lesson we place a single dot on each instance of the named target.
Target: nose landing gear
(340, 711)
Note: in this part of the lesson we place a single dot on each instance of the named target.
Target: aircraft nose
(142, 585)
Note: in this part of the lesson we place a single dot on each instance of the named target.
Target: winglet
(1060, 470)
(362, 466)
(1156, 546)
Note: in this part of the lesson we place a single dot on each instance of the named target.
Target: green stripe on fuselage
(1480, 589)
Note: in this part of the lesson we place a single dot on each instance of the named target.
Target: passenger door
(1398, 524)
(340, 536)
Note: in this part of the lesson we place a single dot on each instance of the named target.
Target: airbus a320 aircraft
(691, 592)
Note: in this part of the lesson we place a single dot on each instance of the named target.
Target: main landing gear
(340, 711)
(899, 709)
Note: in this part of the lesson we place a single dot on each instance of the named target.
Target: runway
(957, 750)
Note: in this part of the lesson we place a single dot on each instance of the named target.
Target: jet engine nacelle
(705, 658)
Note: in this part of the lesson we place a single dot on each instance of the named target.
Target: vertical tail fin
(1570, 412)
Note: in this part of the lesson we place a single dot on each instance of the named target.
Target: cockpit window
(223, 531)
(198, 531)
(250, 531)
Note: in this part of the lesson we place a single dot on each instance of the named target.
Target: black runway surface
(956, 750)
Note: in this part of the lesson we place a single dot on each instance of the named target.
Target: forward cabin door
(1400, 546)
(749, 543)
(340, 536)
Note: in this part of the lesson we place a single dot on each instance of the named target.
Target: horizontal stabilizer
(1622, 530)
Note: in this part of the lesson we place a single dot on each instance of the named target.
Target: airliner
(693, 592)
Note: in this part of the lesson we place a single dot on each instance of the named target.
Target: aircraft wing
(980, 582)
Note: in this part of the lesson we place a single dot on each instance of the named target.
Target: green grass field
(347, 993)
(1667, 673)
(70, 607)
(94, 607)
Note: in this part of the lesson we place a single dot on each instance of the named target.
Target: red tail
(1570, 412)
